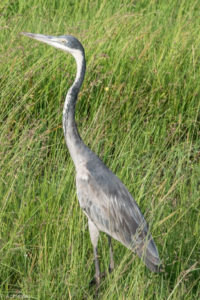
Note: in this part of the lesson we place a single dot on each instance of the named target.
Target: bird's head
(66, 43)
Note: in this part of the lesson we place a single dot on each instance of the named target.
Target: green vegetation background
(138, 109)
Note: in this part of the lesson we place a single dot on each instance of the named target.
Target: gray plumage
(103, 197)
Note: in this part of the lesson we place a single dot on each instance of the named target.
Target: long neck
(72, 137)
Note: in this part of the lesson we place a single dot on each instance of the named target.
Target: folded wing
(110, 206)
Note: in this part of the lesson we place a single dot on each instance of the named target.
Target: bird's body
(104, 199)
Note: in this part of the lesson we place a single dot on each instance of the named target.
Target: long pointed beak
(48, 39)
(59, 42)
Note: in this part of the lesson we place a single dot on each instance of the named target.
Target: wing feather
(108, 203)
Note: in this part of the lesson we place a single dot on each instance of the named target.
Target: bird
(103, 197)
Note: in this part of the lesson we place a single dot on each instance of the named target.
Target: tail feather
(149, 254)
(152, 263)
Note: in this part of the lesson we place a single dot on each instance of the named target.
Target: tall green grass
(138, 110)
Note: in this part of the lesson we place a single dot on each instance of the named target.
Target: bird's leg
(111, 265)
(97, 268)
(94, 235)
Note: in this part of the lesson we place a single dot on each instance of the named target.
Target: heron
(104, 199)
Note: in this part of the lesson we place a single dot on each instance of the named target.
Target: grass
(138, 109)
